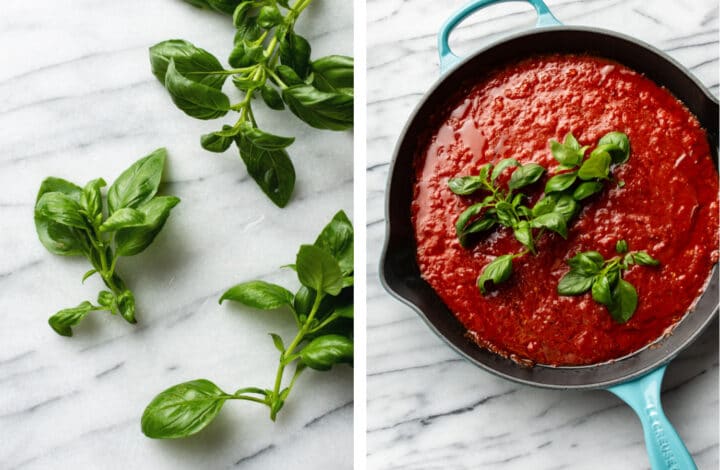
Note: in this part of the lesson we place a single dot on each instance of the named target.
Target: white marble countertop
(427, 407)
(77, 100)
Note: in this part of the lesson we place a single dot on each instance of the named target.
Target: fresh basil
(70, 221)
(618, 146)
(270, 59)
(525, 175)
(323, 311)
(497, 271)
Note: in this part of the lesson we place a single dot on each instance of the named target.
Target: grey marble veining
(428, 408)
(77, 100)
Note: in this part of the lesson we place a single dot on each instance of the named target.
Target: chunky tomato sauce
(667, 206)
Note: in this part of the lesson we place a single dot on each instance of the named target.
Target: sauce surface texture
(667, 206)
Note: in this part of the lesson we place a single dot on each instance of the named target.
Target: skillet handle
(448, 59)
(665, 448)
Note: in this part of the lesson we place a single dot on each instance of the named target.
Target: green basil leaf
(60, 209)
(63, 321)
(523, 234)
(334, 73)
(240, 14)
(272, 97)
(465, 185)
(346, 311)
(195, 99)
(587, 189)
(501, 166)
(597, 166)
(91, 198)
(295, 53)
(552, 221)
(131, 241)
(498, 270)
(246, 53)
(320, 109)
(259, 294)
(269, 17)
(544, 206)
(621, 151)
(196, 64)
(506, 214)
(525, 175)
(325, 351)
(566, 155)
(249, 81)
(139, 183)
(601, 290)
(123, 218)
(624, 301)
(484, 223)
(288, 76)
(621, 246)
(560, 182)
(56, 238)
(587, 262)
(183, 410)
(265, 140)
(644, 259)
(222, 6)
(218, 141)
(278, 342)
(107, 299)
(126, 306)
(87, 275)
(272, 170)
(318, 270)
(571, 142)
(575, 283)
(566, 206)
(461, 225)
(336, 238)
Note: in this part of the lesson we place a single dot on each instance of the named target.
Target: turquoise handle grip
(448, 59)
(665, 448)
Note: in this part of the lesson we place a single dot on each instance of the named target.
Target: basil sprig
(271, 61)
(73, 221)
(323, 311)
(557, 207)
(589, 271)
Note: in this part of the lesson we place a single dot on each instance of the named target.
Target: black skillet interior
(399, 270)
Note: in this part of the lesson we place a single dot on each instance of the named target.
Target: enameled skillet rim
(639, 371)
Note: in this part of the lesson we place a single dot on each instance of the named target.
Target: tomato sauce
(667, 206)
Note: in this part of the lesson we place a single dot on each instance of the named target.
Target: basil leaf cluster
(589, 271)
(553, 211)
(269, 61)
(75, 221)
(323, 312)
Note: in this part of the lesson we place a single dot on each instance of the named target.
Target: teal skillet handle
(665, 448)
(448, 59)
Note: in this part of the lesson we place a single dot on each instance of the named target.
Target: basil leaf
(644, 259)
(218, 141)
(183, 410)
(138, 184)
(320, 109)
(295, 53)
(620, 152)
(131, 241)
(318, 270)
(501, 166)
(325, 351)
(544, 206)
(480, 225)
(497, 271)
(346, 311)
(259, 294)
(601, 290)
(222, 6)
(246, 53)
(107, 299)
(560, 182)
(249, 81)
(465, 185)
(597, 166)
(588, 262)
(587, 189)
(525, 175)
(624, 301)
(126, 306)
(278, 342)
(566, 206)
(523, 234)
(552, 221)
(61, 209)
(336, 238)
(271, 97)
(63, 321)
(571, 142)
(272, 170)
(265, 140)
(56, 238)
(123, 218)
(193, 98)
(91, 199)
(621, 246)
(333, 73)
(574, 283)
(288, 76)
(269, 17)
(566, 155)
(506, 214)
(196, 64)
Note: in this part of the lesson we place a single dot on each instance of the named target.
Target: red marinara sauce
(667, 206)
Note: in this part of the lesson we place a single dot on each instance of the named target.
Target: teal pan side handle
(448, 59)
(665, 448)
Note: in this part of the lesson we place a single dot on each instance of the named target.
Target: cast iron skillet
(635, 378)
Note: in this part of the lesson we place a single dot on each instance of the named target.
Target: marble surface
(428, 408)
(77, 100)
